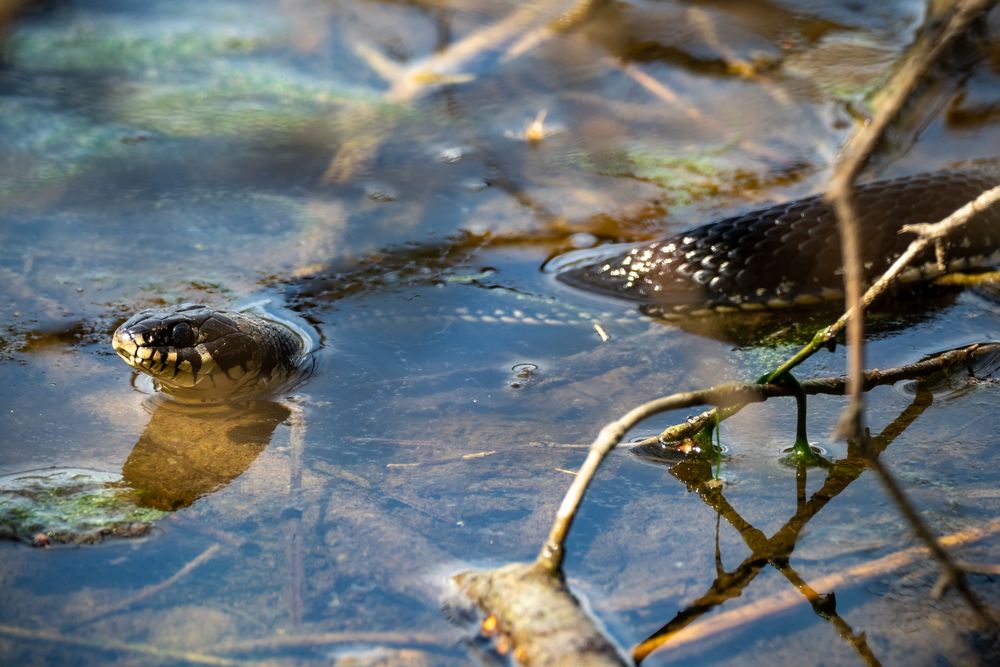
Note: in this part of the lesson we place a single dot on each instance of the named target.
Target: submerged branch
(727, 395)
(109, 645)
(146, 591)
(837, 385)
(789, 599)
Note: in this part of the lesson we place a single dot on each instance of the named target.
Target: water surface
(228, 152)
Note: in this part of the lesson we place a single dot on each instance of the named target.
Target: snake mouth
(128, 356)
(126, 347)
(162, 363)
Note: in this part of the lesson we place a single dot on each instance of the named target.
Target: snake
(195, 353)
(789, 254)
(772, 258)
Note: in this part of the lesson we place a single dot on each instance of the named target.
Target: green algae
(70, 505)
(684, 176)
(45, 147)
(146, 45)
(242, 99)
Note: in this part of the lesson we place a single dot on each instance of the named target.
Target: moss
(109, 43)
(684, 177)
(70, 505)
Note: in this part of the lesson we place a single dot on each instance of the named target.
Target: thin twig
(952, 573)
(151, 590)
(410, 81)
(553, 550)
(859, 149)
(660, 90)
(444, 67)
(837, 386)
(928, 233)
(724, 396)
(568, 20)
(276, 642)
(108, 644)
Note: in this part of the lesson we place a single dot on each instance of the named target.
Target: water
(225, 153)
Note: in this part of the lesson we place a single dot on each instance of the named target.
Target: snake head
(195, 352)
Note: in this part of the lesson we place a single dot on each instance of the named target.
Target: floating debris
(536, 131)
(524, 374)
(380, 192)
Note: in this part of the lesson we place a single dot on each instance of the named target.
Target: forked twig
(928, 233)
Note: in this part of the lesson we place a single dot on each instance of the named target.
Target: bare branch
(928, 233)
(727, 395)
(859, 149)
(837, 386)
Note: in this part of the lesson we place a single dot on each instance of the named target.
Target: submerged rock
(70, 506)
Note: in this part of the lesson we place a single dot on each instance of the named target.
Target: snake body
(776, 257)
(789, 254)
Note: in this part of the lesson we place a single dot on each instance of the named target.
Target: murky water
(229, 152)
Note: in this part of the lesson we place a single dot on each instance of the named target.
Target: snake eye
(182, 335)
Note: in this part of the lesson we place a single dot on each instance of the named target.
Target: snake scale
(777, 257)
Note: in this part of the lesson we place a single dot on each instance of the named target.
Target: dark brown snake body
(789, 254)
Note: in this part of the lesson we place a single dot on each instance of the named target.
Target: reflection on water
(397, 173)
(187, 451)
(774, 550)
